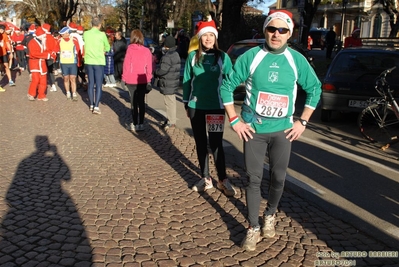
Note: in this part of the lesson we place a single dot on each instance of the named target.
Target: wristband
(235, 121)
(233, 118)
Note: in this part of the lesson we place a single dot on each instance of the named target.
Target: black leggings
(137, 103)
(279, 151)
(198, 124)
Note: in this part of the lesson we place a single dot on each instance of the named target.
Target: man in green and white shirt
(270, 73)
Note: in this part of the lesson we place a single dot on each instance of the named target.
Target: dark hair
(137, 37)
(217, 51)
(2, 27)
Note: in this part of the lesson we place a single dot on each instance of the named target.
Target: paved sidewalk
(78, 189)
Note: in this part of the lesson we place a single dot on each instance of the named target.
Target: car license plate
(357, 104)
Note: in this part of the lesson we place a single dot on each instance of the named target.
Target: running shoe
(226, 187)
(68, 95)
(31, 98)
(251, 239)
(269, 222)
(2, 89)
(53, 88)
(43, 99)
(11, 83)
(96, 110)
(203, 185)
(75, 97)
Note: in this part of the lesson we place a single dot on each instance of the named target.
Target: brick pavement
(78, 189)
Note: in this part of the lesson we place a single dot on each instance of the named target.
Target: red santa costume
(37, 65)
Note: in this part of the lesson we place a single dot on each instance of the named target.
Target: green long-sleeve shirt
(271, 79)
(96, 44)
(201, 82)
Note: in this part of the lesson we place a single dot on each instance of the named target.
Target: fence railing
(388, 42)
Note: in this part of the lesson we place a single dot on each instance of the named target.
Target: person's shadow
(42, 223)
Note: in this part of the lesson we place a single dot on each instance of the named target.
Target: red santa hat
(80, 29)
(72, 26)
(281, 14)
(32, 28)
(46, 27)
(207, 26)
(40, 32)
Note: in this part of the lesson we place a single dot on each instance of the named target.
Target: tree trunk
(231, 18)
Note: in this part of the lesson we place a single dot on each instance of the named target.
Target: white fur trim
(207, 29)
(280, 15)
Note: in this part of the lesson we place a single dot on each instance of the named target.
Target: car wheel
(326, 115)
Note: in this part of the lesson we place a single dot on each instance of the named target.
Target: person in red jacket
(354, 40)
(38, 54)
(53, 47)
(17, 39)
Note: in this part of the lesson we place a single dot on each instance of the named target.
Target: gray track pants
(279, 151)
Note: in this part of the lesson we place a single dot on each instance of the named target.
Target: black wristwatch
(303, 122)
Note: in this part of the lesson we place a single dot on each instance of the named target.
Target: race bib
(215, 123)
(272, 105)
(66, 54)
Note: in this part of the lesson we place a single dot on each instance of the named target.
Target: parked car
(319, 37)
(240, 47)
(349, 81)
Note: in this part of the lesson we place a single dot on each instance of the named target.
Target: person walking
(37, 65)
(137, 74)
(169, 80)
(109, 65)
(120, 46)
(5, 54)
(270, 72)
(204, 70)
(18, 38)
(96, 44)
(330, 40)
(69, 51)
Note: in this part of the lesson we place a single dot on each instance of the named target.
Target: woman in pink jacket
(137, 73)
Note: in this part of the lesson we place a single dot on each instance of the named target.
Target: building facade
(344, 17)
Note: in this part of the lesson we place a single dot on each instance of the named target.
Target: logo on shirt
(274, 65)
(273, 76)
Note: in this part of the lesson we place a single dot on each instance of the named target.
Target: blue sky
(262, 6)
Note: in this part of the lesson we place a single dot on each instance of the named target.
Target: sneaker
(31, 98)
(269, 222)
(53, 88)
(226, 187)
(203, 185)
(2, 89)
(68, 95)
(91, 108)
(11, 83)
(140, 127)
(169, 126)
(251, 239)
(43, 99)
(96, 110)
(131, 127)
(75, 97)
